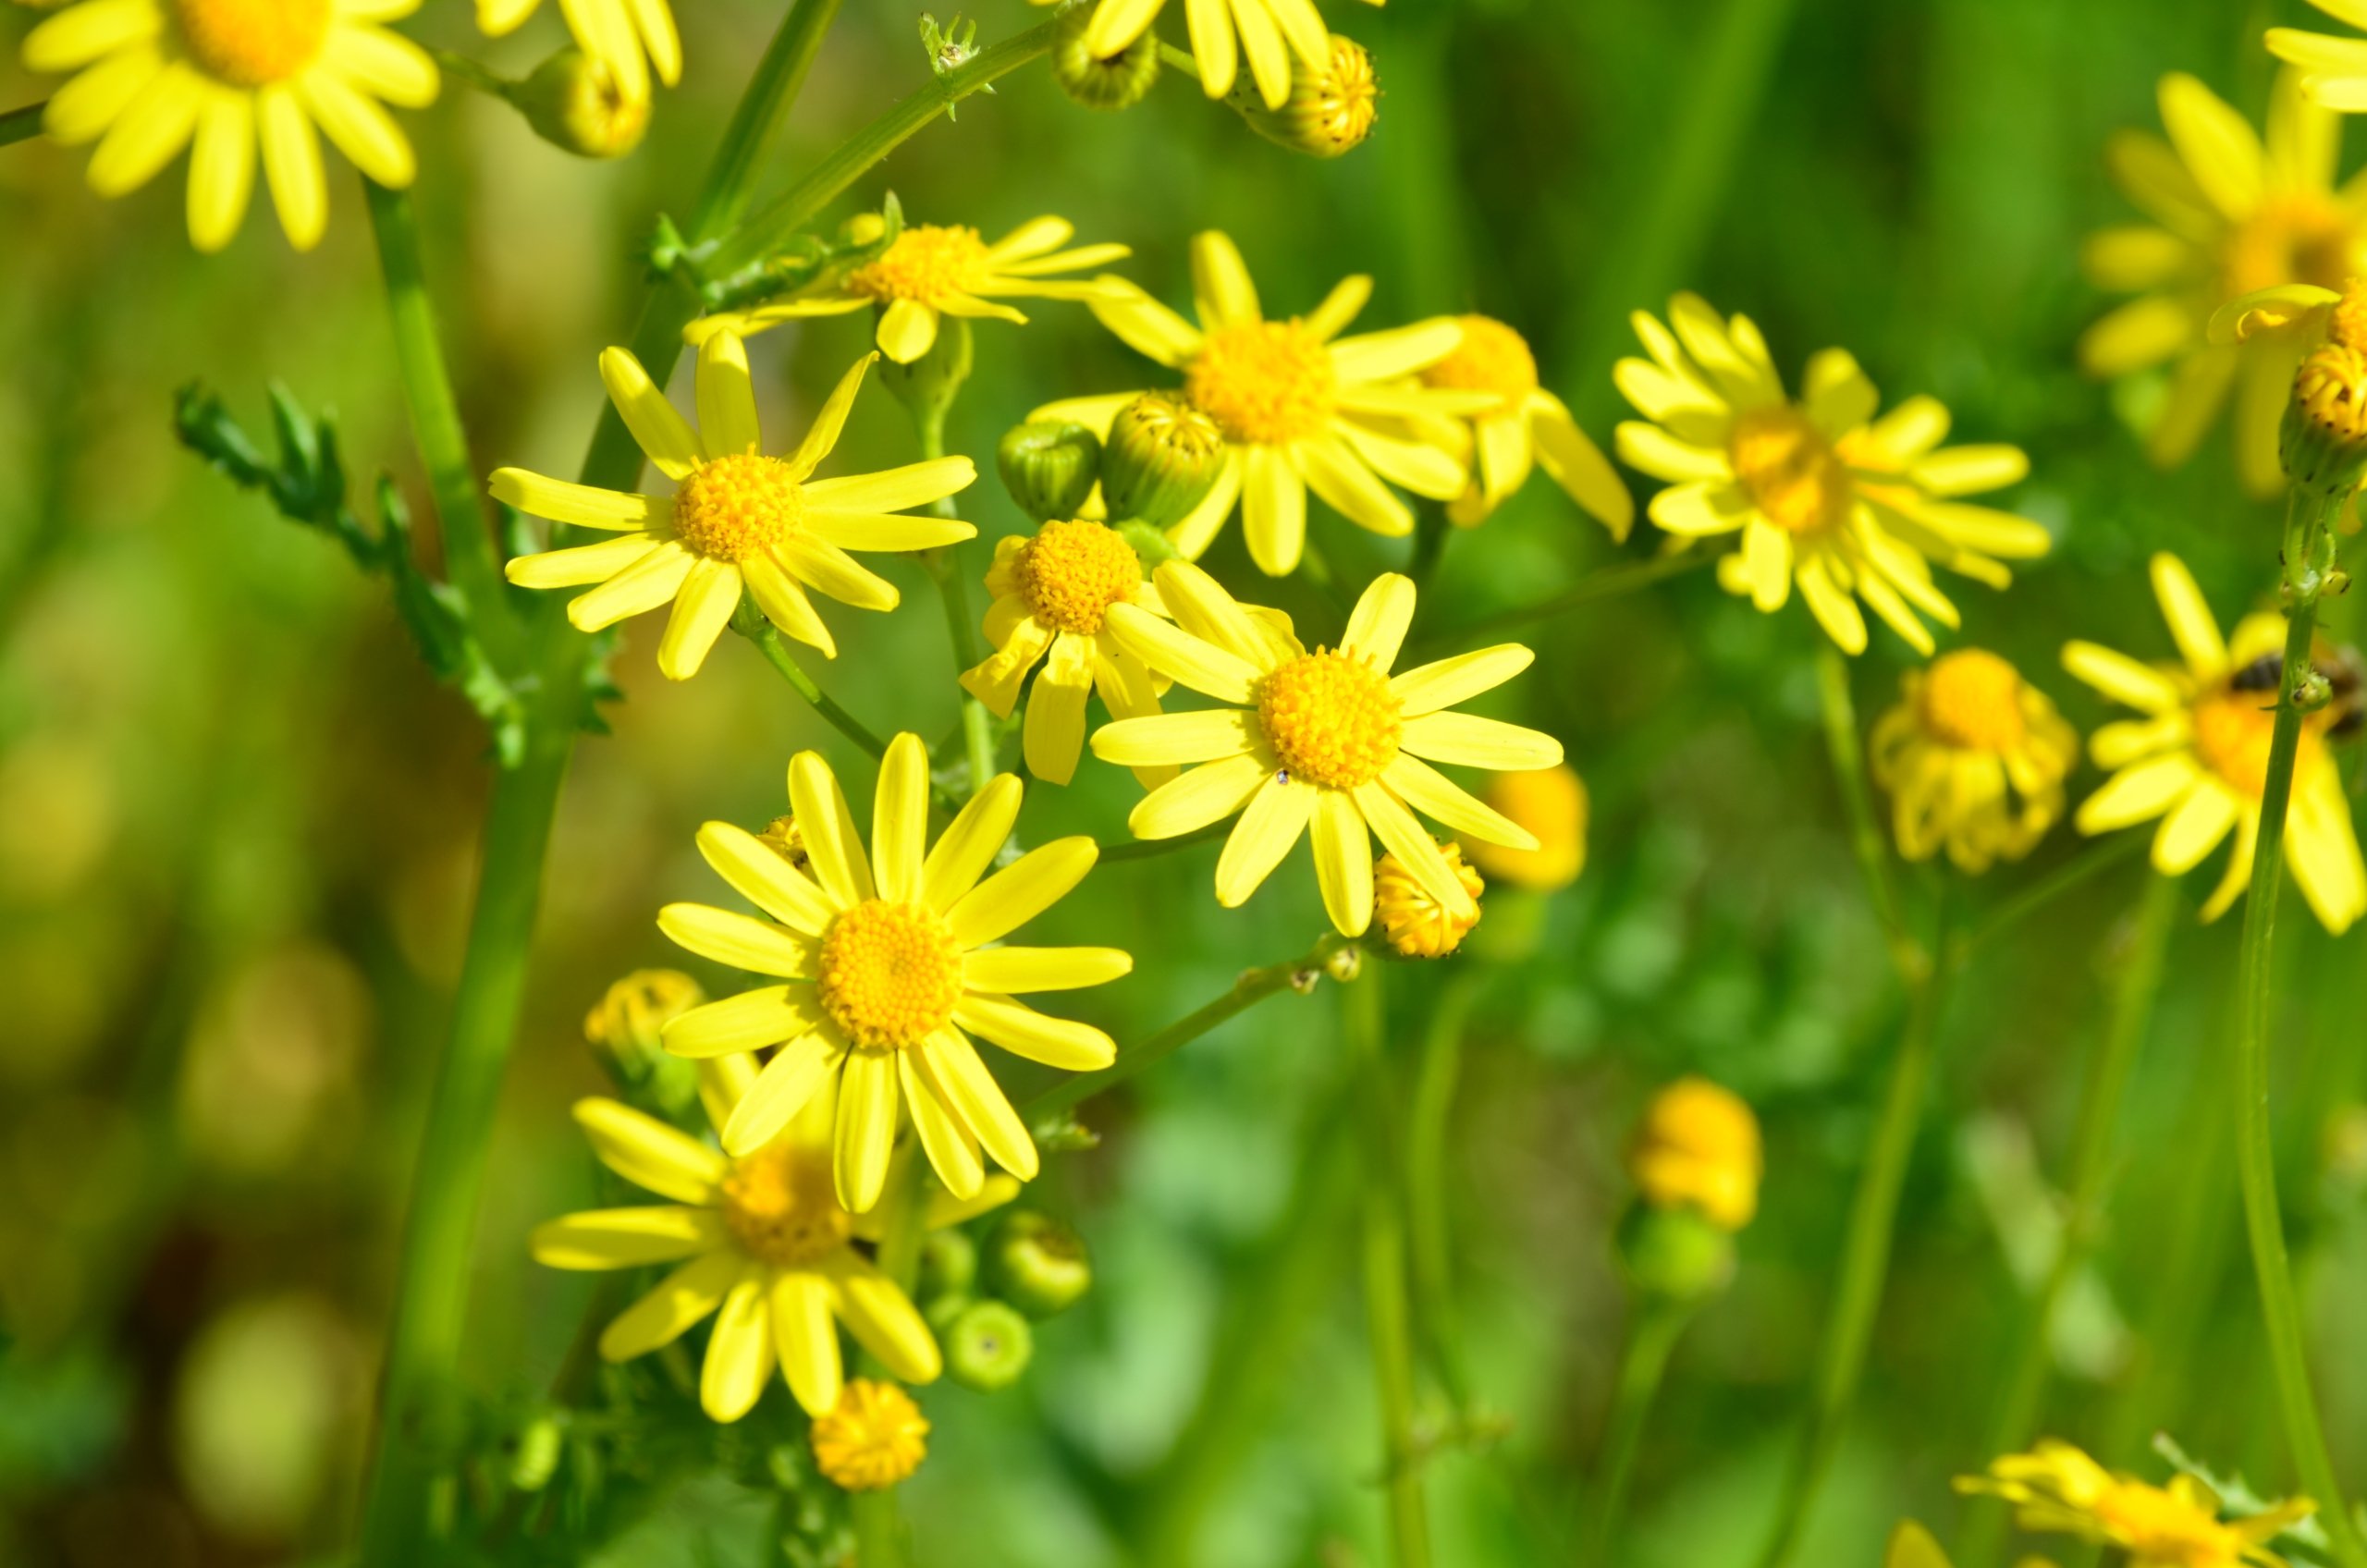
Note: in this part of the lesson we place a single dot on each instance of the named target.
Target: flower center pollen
(1072, 572)
(928, 263)
(891, 973)
(253, 42)
(2294, 239)
(1790, 470)
(737, 507)
(1491, 358)
(783, 1205)
(1973, 699)
(1265, 383)
(1332, 719)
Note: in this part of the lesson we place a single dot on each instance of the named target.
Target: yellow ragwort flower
(1698, 1147)
(2232, 215)
(929, 272)
(1327, 738)
(631, 1014)
(1527, 427)
(2058, 1489)
(875, 1437)
(1416, 922)
(888, 962)
(233, 77)
(1269, 31)
(1550, 803)
(761, 1239)
(1823, 494)
(2199, 757)
(1299, 411)
(737, 519)
(629, 36)
(1973, 757)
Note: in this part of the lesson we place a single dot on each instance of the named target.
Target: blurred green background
(237, 825)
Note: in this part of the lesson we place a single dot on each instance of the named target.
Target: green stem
(473, 73)
(2072, 874)
(1426, 1183)
(22, 125)
(2100, 1094)
(1254, 986)
(878, 1529)
(1431, 531)
(1650, 1337)
(2306, 544)
(1148, 849)
(1607, 583)
(1388, 1315)
(767, 638)
(1182, 59)
(952, 589)
(1865, 829)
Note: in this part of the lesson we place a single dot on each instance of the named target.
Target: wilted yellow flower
(2199, 757)
(630, 35)
(1551, 803)
(2056, 1488)
(1326, 738)
(1270, 32)
(929, 272)
(1698, 1147)
(634, 1010)
(1527, 427)
(875, 1437)
(1973, 757)
(1416, 922)
(1299, 410)
(233, 76)
(737, 519)
(761, 1239)
(1821, 491)
(888, 963)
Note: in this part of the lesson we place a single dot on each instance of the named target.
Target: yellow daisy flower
(762, 1242)
(1299, 411)
(1326, 738)
(2199, 758)
(233, 77)
(1973, 757)
(1823, 494)
(889, 969)
(2334, 70)
(931, 271)
(875, 1437)
(2056, 1488)
(1269, 31)
(630, 35)
(2232, 213)
(737, 519)
(1527, 427)
(1698, 1147)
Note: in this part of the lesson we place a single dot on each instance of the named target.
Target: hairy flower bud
(1328, 111)
(1120, 81)
(987, 1346)
(2324, 444)
(575, 100)
(1161, 459)
(1037, 1264)
(1049, 466)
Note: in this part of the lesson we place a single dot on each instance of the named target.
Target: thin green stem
(952, 589)
(1387, 1310)
(1148, 849)
(2109, 1066)
(1426, 1207)
(878, 1529)
(2072, 874)
(22, 125)
(1651, 1335)
(1182, 59)
(1865, 829)
(1430, 532)
(767, 638)
(473, 73)
(1607, 583)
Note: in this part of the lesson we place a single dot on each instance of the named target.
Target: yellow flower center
(2331, 390)
(782, 1204)
(1491, 358)
(928, 263)
(737, 507)
(2156, 1526)
(1790, 471)
(2294, 239)
(2232, 732)
(1072, 572)
(253, 42)
(1973, 699)
(874, 1438)
(1344, 97)
(1265, 383)
(1332, 719)
(891, 973)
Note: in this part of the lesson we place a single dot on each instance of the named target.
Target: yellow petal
(899, 818)
(737, 939)
(1021, 891)
(798, 1071)
(1020, 1029)
(1201, 796)
(739, 1351)
(664, 435)
(759, 874)
(970, 844)
(1474, 741)
(831, 846)
(2192, 626)
(627, 1237)
(866, 1128)
(1042, 969)
(679, 1300)
(1342, 862)
(749, 1021)
(1270, 825)
(649, 1153)
(804, 1341)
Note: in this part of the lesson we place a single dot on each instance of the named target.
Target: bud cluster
(982, 1301)
(1159, 462)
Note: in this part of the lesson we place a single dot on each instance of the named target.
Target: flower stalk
(22, 125)
(1652, 1334)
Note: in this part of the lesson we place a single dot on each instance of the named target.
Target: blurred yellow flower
(2332, 69)
(2056, 1488)
(2199, 757)
(233, 76)
(875, 1437)
(890, 971)
(1325, 738)
(1299, 411)
(1973, 757)
(1821, 491)
(1698, 1147)
(1551, 803)
(930, 271)
(760, 1239)
(630, 36)
(1527, 427)
(2232, 215)
(1416, 924)
(1269, 31)
(737, 519)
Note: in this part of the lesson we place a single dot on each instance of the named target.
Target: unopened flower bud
(987, 1346)
(949, 1264)
(626, 1027)
(1120, 81)
(875, 1437)
(927, 385)
(1677, 1253)
(575, 100)
(1151, 547)
(1328, 111)
(1344, 963)
(1049, 467)
(1161, 459)
(1037, 1264)
(1416, 925)
(1697, 1148)
(536, 1456)
(2324, 444)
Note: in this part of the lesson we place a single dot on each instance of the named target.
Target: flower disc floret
(1491, 358)
(1268, 383)
(891, 973)
(1972, 698)
(876, 1437)
(1331, 719)
(780, 1202)
(737, 507)
(928, 262)
(253, 42)
(1789, 469)
(1070, 574)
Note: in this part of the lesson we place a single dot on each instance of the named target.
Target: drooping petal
(702, 608)
(739, 1351)
(866, 1134)
(1342, 862)
(972, 1092)
(945, 1138)
(804, 1341)
(882, 1318)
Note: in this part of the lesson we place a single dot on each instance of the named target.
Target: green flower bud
(1049, 466)
(1151, 547)
(536, 1457)
(1328, 112)
(949, 1264)
(1120, 81)
(987, 1346)
(1161, 459)
(574, 100)
(1676, 1254)
(1037, 1264)
(625, 1031)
